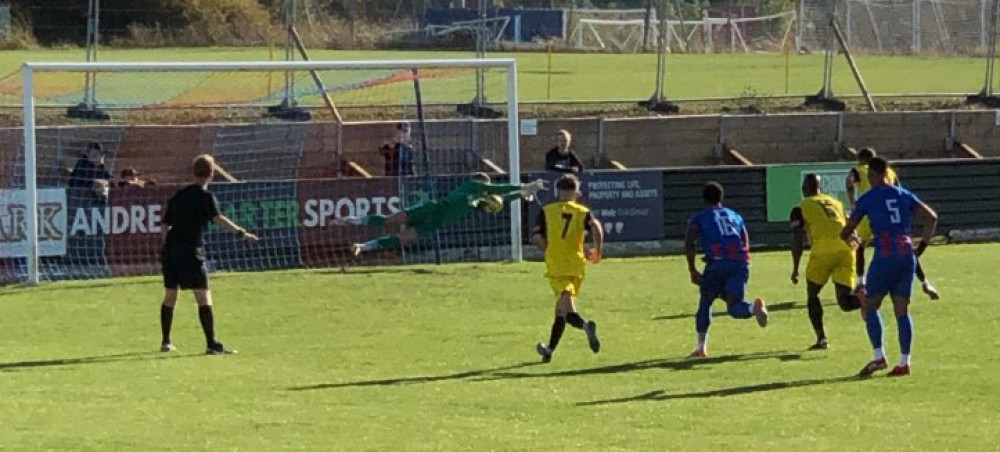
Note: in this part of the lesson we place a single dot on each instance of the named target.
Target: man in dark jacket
(560, 158)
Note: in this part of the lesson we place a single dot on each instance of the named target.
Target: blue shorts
(725, 278)
(891, 276)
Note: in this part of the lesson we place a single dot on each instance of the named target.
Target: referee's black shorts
(184, 269)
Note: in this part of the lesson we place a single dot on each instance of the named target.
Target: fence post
(848, 23)
(949, 141)
(982, 24)
(601, 140)
(707, 29)
(720, 144)
(799, 26)
(839, 141)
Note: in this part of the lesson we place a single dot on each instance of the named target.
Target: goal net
(707, 35)
(103, 146)
(899, 27)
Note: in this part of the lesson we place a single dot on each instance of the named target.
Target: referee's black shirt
(188, 213)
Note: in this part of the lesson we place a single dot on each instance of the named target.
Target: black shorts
(184, 270)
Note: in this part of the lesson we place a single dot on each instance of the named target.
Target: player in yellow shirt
(560, 232)
(822, 217)
(857, 185)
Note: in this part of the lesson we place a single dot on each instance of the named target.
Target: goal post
(379, 95)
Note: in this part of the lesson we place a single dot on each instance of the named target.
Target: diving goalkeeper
(427, 217)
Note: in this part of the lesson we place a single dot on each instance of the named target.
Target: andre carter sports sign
(14, 223)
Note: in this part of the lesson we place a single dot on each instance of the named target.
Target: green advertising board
(784, 185)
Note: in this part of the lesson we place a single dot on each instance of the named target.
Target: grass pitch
(441, 358)
(595, 77)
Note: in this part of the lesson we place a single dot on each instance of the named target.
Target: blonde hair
(568, 136)
(203, 166)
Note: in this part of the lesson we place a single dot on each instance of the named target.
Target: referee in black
(183, 257)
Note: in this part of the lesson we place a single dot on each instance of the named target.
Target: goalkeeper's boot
(544, 351)
(218, 349)
(167, 348)
(872, 367)
(899, 371)
(931, 291)
(591, 329)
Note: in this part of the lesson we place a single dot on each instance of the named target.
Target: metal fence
(899, 27)
(780, 39)
(4, 21)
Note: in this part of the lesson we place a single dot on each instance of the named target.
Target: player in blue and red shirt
(726, 245)
(890, 209)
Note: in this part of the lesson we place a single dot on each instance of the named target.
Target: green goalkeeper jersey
(428, 216)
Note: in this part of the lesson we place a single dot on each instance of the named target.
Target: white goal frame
(28, 70)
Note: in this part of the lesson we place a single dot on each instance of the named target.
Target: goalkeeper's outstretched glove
(532, 188)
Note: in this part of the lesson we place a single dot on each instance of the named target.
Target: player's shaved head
(878, 166)
(866, 155)
(481, 177)
(810, 184)
(878, 169)
(712, 193)
(203, 166)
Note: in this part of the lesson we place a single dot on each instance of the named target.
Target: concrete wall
(163, 152)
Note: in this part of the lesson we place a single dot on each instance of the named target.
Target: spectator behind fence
(398, 152)
(560, 158)
(90, 174)
(130, 179)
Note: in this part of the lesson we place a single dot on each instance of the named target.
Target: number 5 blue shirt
(889, 210)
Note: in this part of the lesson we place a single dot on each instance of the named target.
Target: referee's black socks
(166, 321)
(207, 323)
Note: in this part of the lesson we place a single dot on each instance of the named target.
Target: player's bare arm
(691, 252)
(847, 234)
(746, 239)
(597, 232)
(798, 241)
(538, 238)
(225, 223)
(852, 180)
(930, 225)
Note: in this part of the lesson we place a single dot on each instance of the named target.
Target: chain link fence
(899, 27)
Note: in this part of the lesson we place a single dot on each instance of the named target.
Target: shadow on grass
(379, 271)
(674, 364)
(413, 380)
(660, 395)
(134, 356)
(502, 373)
(76, 285)
(771, 307)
